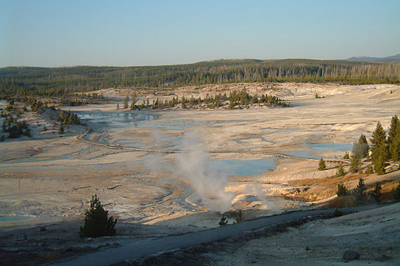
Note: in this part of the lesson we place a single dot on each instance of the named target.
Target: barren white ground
(51, 179)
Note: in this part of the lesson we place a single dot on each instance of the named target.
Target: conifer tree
(394, 139)
(97, 222)
(342, 190)
(379, 149)
(361, 148)
(369, 170)
(376, 193)
(61, 129)
(340, 170)
(322, 165)
(355, 164)
(359, 192)
(126, 102)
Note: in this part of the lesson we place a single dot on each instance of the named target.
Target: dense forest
(60, 81)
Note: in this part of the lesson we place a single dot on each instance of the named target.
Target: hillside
(395, 59)
(59, 81)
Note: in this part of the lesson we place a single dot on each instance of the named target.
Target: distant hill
(389, 60)
(58, 81)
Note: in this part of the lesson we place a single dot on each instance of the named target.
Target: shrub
(97, 222)
(338, 213)
(223, 221)
(341, 202)
(346, 156)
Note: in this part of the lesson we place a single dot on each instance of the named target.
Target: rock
(351, 255)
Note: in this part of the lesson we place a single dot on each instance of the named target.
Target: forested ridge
(60, 80)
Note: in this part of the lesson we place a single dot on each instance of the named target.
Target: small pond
(312, 150)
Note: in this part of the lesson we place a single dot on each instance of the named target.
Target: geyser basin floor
(225, 133)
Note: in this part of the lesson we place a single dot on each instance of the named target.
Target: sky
(54, 33)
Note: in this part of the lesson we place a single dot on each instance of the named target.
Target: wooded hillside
(58, 81)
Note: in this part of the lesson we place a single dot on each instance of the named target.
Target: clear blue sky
(149, 32)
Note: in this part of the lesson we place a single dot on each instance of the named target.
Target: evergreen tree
(394, 139)
(132, 107)
(322, 165)
(126, 102)
(183, 103)
(239, 217)
(97, 222)
(361, 148)
(379, 165)
(379, 149)
(340, 170)
(342, 190)
(376, 193)
(61, 129)
(369, 170)
(355, 164)
(359, 192)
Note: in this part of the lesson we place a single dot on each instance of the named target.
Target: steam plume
(210, 185)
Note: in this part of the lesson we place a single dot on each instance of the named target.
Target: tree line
(235, 100)
(383, 149)
(56, 82)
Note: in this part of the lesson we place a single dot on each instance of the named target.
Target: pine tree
(394, 139)
(132, 107)
(322, 165)
(355, 164)
(340, 170)
(361, 148)
(379, 166)
(379, 149)
(239, 217)
(61, 129)
(342, 190)
(183, 103)
(97, 222)
(126, 102)
(359, 192)
(376, 193)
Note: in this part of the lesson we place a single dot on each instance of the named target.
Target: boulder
(351, 255)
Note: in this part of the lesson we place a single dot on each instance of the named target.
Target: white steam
(193, 166)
